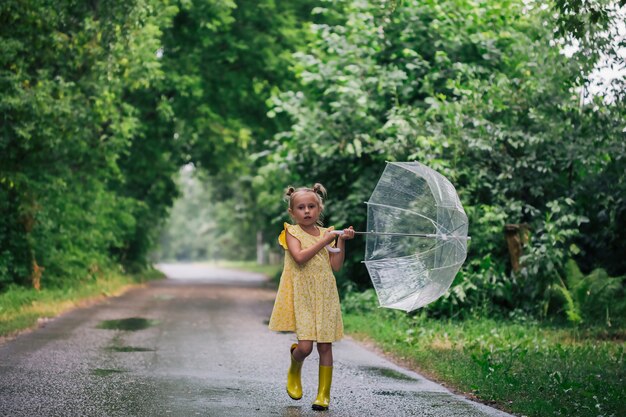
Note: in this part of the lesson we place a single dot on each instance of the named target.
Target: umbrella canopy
(416, 236)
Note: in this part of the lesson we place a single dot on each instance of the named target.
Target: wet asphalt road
(197, 344)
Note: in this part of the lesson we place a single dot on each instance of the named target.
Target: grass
(525, 368)
(22, 308)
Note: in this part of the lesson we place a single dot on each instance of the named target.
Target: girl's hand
(329, 237)
(347, 234)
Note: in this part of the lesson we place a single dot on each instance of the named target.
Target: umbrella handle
(330, 248)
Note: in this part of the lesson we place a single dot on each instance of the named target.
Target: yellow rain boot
(322, 401)
(294, 384)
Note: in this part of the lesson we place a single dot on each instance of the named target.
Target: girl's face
(306, 208)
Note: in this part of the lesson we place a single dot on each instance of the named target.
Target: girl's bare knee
(305, 347)
(324, 348)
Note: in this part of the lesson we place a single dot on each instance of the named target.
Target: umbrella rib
(401, 209)
(413, 255)
(458, 263)
(416, 254)
(457, 239)
(428, 235)
(395, 208)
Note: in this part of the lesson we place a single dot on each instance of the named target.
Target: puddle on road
(388, 373)
(129, 324)
(220, 394)
(453, 405)
(106, 372)
(219, 391)
(391, 393)
(129, 349)
(295, 411)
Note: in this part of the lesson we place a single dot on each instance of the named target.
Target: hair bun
(289, 190)
(319, 189)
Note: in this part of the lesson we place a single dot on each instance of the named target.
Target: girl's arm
(300, 255)
(336, 258)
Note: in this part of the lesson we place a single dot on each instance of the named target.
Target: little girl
(307, 301)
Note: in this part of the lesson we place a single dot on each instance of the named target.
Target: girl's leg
(325, 378)
(304, 349)
(326, 353)
(299, 352)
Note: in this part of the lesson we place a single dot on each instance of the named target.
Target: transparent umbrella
(416, 236)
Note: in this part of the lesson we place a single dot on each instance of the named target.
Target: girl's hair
(317, 189)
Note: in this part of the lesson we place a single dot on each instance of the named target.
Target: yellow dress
(307, 301)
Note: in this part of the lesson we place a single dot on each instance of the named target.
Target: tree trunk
(516, 239)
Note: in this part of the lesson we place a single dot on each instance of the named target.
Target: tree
(66, 69)
(479, 91)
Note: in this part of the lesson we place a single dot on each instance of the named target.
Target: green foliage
(481, 92)
(522, 366)
(360, 302)
(15, 255)
(546, 257)
(65, 69)
(103, 103)
(591, 24)
(224, 60)
(482, 289)
(202, 228)
(597, 296)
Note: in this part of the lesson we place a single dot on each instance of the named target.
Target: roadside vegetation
(516, 364)
(25, 308)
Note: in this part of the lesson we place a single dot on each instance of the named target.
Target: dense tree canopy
(103, 102)
(66, 71)
(484, 93)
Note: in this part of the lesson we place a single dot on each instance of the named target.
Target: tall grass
(521, 366)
